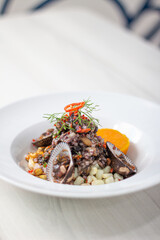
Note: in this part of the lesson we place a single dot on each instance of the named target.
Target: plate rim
(74, 195)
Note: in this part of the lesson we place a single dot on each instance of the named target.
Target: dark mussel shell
(45, 139)
(119, 161)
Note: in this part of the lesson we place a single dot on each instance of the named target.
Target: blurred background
(140, 16)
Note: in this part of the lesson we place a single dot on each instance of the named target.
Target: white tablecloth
(75, 49)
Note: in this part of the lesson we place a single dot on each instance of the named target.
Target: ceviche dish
(74, 151)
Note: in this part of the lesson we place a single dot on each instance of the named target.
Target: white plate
(137, 118)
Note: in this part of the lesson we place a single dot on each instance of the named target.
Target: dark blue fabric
(153, 31)
(43, 4)
(4, 6)
(130, 19)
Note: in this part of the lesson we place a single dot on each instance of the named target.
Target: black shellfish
(119, 161)
(45, 139)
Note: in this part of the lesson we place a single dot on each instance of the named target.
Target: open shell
(63, 150)
(120, 162)
(45, 139)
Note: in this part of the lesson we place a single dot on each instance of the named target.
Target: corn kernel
(41, 153)
(116, 175)
(43, 177)
(33, 155)
(39, 149)
(38, 171)
(109, 180)
(97, 165)
(107, 175)
(116, 180)
(97, 182)
(89, 179)
(93, 171)
(79, 180)
(99, 174)
(94, 178)
(107, 169)
(31, 163)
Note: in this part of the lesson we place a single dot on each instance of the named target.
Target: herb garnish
(77, 114)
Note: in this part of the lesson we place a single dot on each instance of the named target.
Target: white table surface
(74, 49)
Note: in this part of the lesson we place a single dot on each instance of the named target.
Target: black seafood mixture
(93, 161)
